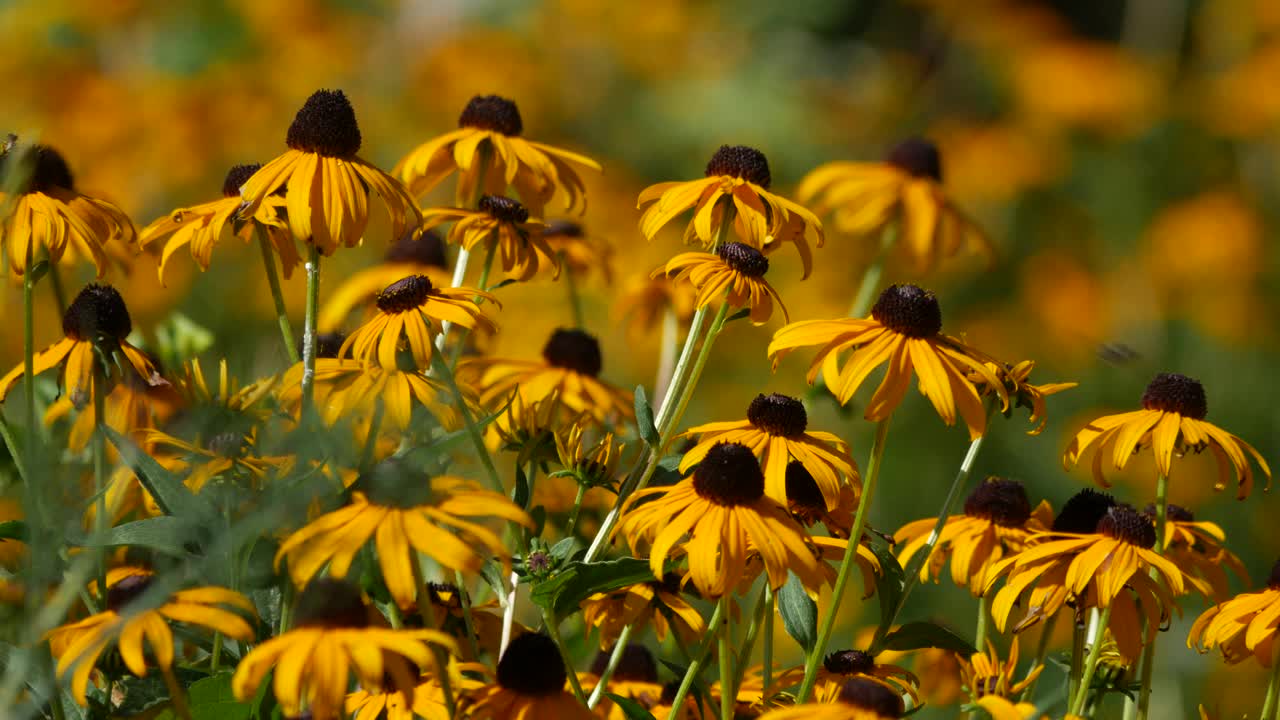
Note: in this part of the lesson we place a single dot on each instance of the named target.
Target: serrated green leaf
(917, 635)
(799, 613)
(171, 495)
(644, 419)
(13, 530)
(630, 708)
(164, 534)
(564, 591)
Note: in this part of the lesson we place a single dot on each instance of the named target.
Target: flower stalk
(277, 295)
(1149, 644)
(309, 330)
(615, 657)
(1091, 665)
(699, 661)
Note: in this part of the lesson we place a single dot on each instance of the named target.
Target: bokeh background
(1122, 156)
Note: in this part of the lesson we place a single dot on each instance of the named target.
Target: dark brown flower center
(326, 125)
(532, 666)
(445, 594)
(229, 444)
(49, 169)
(1123, 522)
(849, 662)
(564, 228)
(729, 475)
(405, 294)
(740, 161)
(1175, 513)
(1273, 580)
(238, 175)
(1081, 513)
(867, 694)
(126, 591)
(98, 312)
(1171, 392)
(744, 259)
(330, 603)
(908, 310)
(425, 249)
(917, 157)
(395, 483)
(328, 344)
(778, 415)
(574, 350)
(802, 489)
(491, 112)
(1003, 502)
(504, 209)
(635, 665)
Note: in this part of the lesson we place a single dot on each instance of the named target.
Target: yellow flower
(578, 252)
(78, 645)
(1171, 421)
(349, 388)
(502, 226)
(50, 214)
(634, 678)
(1243, 626)
(808, 506)
(737, 176)
(590, 465)
(570, 366)
(407, 312)
(734, 273)
(388, 703)
(200, 227)
(987, 676)
(94, 328)
(841, 666)
(996, 523)
(488, 140)
(326, 184)
(776, 430)
(645, 300)
(331, 637)
(530, 685)
(404, 515)
(906, 190)
(637, 604)
(1022, 393)
(903, 333)
(413, 254)
(1198, 548)
(130, 408)
(859, 698)
(230, 451)
(723, 511)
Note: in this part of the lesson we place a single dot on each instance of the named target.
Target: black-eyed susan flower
(580, 253)
(530, 685)
(408, 311)
(986, 675)
(637, 605)
(904, 333)
(843, 665)
(1021, 392)
(95, 327)
(591, 464)
(404, 514)
(330, 639)
(1242, 627)
(412, 254)
(859, 698)
(720, 517)
(428, 700)
(49, 215)
(199, 227)
(79, 645)
(906, 189)
(737, 176)
(734, 273)
(1198, 547)
(326, 183)
(490, 127)
(996, 523)
(777, 431)
(502, 226)
(570, 368)
(1171, 422)
(1110, 567)
(347, 388)
(230, 452)
(528, 427)
(131, 408)
(635, 678)
(809, 507)
(449, 615)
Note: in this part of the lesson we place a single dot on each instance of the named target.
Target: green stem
(771, 602)
(572, 523)
(847, 563)
(309, 330)
(704, 353)
(215, 658)
(1042, 649)
(482, 159)
(1273, 691)
(1149, 647)
(699, 661)
(615, 657)
(440, 368)
(468, 619)
(553, 630)
(749, 641)
(1077, 660)
(277, 296)
(371, 442)
(725, 656)
(666, 356)
(681, 373)
(100, 473)
(575, 300)
(484, 285)
(1095, 651)
(428, 621)
(28, 359)
(980, 635)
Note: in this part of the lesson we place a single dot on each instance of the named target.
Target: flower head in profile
(579, 252)
(992, 681)
(330, 639)
(734, 273)
(200, 227)
(49, 214)
(503, 226)
(132, 629)
(843, 665)
(530, 684)
(905, 190)
(1245, 626)
(590, 464)
(657, 601)
(1199, 548)
(736, 183)
(412, 254)
(94, 346)
(326, 183)
(489, 153)
(859, 698)
(721, 518)
(1021, 392)
(1171, 423)
(777, 431)
(996, 523)
(808, 505)
(904, 333)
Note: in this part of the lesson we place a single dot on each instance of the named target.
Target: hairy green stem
(309, 331)
(1272, 697)
(553, 630)
(277, 295)
(1042, 649)
(699, 662)
(771, 602)
(980, 635)
(725, 656)
(100, 473)
(762, 606)
(1095, 651)
(483, 285)
(615, 657)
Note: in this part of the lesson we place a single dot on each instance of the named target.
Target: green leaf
(630, 708)
(564, 549)
(644, 419)
(521, 493)
(744, 312)
(889, 586)
(165, 534)
(799, 613)
(564, 591)
(917, 635)
(212, 699)
(13, 530)
(173, 497)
